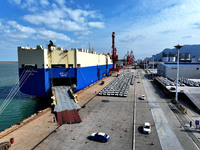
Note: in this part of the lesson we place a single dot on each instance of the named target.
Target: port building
(187, 70)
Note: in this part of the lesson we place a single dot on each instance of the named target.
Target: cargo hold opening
(63, 81)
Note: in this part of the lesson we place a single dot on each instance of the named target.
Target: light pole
(146, 64)
(153, 67)
(178, 47)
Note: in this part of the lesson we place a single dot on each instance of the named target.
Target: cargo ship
(40, 68)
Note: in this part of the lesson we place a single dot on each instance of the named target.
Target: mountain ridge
(194, 51)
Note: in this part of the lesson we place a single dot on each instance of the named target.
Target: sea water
(21, 106)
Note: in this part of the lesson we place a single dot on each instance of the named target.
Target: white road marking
(134, 119)
(165, 133)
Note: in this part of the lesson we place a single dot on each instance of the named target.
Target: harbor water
(21, 106)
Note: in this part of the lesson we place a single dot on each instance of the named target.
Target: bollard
(12, 140)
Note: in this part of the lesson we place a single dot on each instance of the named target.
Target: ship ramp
(65, 105)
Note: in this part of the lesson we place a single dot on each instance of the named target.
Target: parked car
(182, 84)
(147, 128)
(172, 88)
(99, 136)
(142, 97)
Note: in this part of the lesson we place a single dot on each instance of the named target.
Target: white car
(147, 128)
(142, 97)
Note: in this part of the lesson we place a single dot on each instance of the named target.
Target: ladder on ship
(65, 106)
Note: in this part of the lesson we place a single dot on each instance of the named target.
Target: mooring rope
(22, 79)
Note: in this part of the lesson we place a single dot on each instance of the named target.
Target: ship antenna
(89, 48)
(50, 54)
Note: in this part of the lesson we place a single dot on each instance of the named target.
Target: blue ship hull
(39, 81)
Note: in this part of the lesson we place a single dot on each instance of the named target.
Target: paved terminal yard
(112, 115)
(120, 117)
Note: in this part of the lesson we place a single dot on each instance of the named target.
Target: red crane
(130, 58)
(114, 54)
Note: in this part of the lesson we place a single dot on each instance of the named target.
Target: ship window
(78, 65)
(58, 66)
(197, 68)
(103, 74)
(70, 66)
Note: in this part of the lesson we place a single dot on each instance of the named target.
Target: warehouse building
(187, 70)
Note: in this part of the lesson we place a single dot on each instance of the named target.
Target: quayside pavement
(112, 115)
(170, 129)
(28, 136)
(121, 118)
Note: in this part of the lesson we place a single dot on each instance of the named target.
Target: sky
(144, 26)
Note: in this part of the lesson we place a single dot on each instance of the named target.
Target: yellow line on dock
(160, 133)
(45, 144)
(90, 132)
(155, 119)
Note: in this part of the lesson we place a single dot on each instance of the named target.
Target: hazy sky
(144, 26)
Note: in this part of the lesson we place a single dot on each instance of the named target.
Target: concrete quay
(120, 117)
(37, 127)
(112, 115)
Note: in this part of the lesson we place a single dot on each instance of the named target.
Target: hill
(194, 51)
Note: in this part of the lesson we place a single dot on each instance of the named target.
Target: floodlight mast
(178, 47)
(153, 67)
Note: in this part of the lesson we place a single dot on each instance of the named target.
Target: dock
(122, 117)
(39, 126)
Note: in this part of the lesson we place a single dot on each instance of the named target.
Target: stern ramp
(66, 107)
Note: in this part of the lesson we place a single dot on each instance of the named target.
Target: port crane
(114, 54)
(129, 58)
